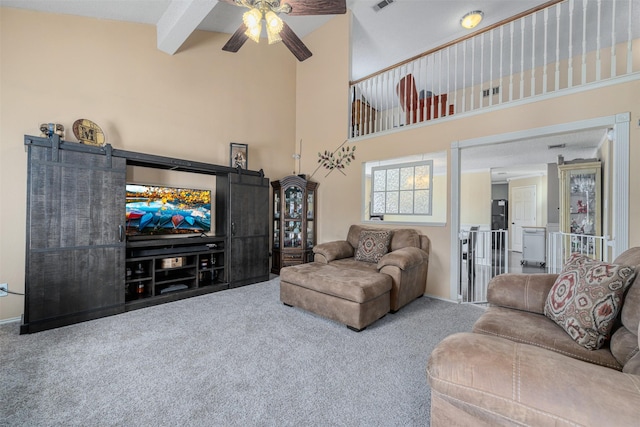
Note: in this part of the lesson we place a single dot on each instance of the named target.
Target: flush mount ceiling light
(471, 19)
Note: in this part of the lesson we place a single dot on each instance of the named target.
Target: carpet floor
(233, 358)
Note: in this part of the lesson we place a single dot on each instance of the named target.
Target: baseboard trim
(10, 320)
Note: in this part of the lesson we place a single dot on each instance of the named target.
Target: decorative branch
(332, 161)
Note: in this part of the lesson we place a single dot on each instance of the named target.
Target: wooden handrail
(461, 39)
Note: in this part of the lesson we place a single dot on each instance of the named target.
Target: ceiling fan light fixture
(471, 19)
(253, 21)
(274, 26)
(272, 36)
(252, 18)
(273, 22)
(254, 32)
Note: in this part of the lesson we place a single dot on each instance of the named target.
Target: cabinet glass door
(293, 202)
(310, 207)
(276, 205)
(276, 234)
(310, 236)
(582, 202)
(293, 234)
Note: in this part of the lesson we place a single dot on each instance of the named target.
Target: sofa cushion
(631, 310)
(373, 245)
(586, 298)
(404, 238)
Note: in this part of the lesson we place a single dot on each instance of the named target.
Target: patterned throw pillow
(373, 244)
(587, 297)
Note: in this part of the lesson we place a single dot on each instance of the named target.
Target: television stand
(162, 270)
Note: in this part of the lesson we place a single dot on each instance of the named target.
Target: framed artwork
(239, 155)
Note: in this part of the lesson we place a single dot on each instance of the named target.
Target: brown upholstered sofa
(519, 367)
(353, 292)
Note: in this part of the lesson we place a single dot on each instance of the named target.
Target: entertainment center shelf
(168, 269)
(83, 263)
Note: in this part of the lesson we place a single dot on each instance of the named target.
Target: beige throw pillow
(587, 297)
(373, 245)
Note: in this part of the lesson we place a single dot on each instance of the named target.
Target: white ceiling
(380, 39)
(523, 158)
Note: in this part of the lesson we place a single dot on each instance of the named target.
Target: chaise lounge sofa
(520, 366)
(358, 280)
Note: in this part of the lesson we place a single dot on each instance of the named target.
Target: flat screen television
(165, 211)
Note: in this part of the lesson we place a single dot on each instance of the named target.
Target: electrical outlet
(4, 289)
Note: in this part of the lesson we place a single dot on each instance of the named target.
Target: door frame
(619, 203)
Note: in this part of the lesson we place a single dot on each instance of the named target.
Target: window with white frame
(408, 189)
(403, 189)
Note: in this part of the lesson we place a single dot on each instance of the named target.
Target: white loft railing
(568, 44)
(562, 245)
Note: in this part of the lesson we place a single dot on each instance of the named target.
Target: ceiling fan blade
(294, 43)
(237, 40)
(316, 7)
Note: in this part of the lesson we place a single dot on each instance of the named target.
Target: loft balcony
(570, 45)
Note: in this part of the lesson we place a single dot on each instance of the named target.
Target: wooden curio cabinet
(294, 221)
(580, 204)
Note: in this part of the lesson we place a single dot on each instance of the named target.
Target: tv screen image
(158, 210)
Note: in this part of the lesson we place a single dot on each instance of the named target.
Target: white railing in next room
(568, 44)
(561, 245)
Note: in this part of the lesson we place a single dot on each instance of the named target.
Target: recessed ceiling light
(471, 19)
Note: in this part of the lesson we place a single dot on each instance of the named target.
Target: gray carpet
(233, 358)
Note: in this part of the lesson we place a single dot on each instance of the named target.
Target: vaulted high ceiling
(400, 30)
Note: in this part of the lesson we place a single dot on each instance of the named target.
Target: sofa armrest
(500, 382)
(526, 292)
(404, 258)
(330, 251)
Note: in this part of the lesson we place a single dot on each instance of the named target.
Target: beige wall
(339, 195)
(191, 105)
(475, 199)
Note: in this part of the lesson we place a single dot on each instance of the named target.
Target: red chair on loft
(419, 108)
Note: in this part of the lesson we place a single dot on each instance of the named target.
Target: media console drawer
(172, 262)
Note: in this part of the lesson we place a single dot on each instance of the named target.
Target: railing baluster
(442, 102)
(511, 63)
(558, 24)
(533, 54)
(584, 41)
(430, 106)
(472, 105)
(598, 47)
(501, 59)
(481, 93)
(464, 76)
(544, 55)
(522, 26)
(570, 68)
(613, 40)
(629, 41)
(448, 78)
(455, 77)
(491, 68)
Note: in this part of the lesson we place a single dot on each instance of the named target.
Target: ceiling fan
(277, 29)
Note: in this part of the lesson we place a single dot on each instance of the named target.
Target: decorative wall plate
(88, 132)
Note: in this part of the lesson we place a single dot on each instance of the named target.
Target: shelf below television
(162, 270)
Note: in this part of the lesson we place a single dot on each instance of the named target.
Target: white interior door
(523, 212)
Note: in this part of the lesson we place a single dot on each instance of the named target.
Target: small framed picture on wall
(239, 155)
